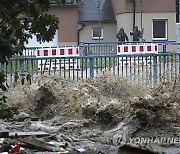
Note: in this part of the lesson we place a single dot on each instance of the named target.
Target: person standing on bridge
(136, 34)
(122, 36)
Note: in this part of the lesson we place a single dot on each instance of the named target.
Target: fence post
(21, 67)
(85, 50)
(155, 77)
(91, 66)
(164, 48)
(2, 67)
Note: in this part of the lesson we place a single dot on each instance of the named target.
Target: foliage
(5, 111)
(19, 19)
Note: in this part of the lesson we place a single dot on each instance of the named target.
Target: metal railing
(110, 48)
(149, 69)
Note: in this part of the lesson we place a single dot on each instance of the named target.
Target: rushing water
(96, 110)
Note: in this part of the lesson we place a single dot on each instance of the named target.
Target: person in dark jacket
(122, 36)
(136, 34)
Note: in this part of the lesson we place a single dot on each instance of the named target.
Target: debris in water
(79, 112)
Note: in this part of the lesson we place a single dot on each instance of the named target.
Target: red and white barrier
(58, 52)
(57, 64)
(137, 48)
(128, 49)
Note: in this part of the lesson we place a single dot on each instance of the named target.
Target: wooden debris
(22, 134)
(137, 148)
(4, 134)
(38, 144)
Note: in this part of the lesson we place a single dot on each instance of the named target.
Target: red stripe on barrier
(119, 49)
(70, 51)
(54, 68)
(61, 51)
(54, 52)
(45, 52)
(77, 51)
(148, 48)
(155, 47)
(46, 68)
(133, 48)
(141, 63)
(141, 48)
(126, 49)
(38, 53)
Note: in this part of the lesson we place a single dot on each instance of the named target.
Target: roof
(88, 11)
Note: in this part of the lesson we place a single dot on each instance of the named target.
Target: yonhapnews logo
(120, 140)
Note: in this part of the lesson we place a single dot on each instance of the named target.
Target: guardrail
(110, 48)
(150, 69)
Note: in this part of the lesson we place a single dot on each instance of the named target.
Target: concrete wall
(125, 20)
(109, 32)
(68, 27)
(125, 6)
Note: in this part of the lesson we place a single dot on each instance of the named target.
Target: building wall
(125, 20)
(68, 27)
(125, 6)
(109, 32)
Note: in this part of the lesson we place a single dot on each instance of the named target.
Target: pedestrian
(136, 34)
(122, 36)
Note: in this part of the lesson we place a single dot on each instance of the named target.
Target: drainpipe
(177, 11)
(82, 26)
(134, 12)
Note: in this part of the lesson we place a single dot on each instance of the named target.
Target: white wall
(33, 42)
(109, 32)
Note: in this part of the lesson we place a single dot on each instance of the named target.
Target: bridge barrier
(139, 48)
(164, 66)
(57, 64)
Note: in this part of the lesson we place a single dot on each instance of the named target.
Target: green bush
(5, 111)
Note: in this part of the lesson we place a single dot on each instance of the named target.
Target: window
(97, 32)
(160, 29)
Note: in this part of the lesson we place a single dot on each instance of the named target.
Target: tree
(19, 19)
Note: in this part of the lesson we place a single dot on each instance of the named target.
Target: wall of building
(125, 21)
(109, 32)
(68, 27)
(125, 6)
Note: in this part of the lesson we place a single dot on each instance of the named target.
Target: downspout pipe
(177, 11)
(134, 13)
(82, 26)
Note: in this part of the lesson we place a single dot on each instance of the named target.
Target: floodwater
(93, 114)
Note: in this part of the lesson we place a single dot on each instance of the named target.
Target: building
(157, 18)
(99, 20)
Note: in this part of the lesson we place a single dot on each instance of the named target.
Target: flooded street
(105, 115)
